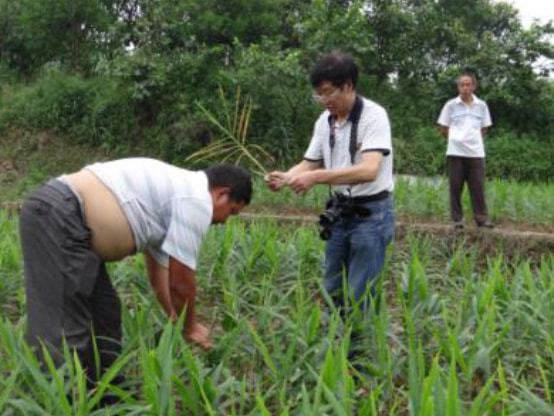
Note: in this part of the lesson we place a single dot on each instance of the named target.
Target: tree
(70, 33)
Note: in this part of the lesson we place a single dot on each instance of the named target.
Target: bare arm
(175, 289)
(159, 280)
(182, 287)
(443, 131)
(303, 166)
(364, 171)
(277, 179)
(484, 131)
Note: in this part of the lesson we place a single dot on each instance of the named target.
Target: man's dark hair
(337, 68)
(234, 177)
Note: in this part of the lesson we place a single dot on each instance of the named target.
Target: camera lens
(325, 234)
(325, 220)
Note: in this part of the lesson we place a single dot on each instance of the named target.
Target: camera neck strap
(354, 118)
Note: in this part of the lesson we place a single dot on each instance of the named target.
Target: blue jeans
(357, 248)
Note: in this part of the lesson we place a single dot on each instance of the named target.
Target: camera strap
(354, 118)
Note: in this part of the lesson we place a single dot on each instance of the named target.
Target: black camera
(339, 205)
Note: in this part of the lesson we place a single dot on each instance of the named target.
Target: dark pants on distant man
(69, 293)
(472, 171)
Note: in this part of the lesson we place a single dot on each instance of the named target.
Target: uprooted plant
(232, 146)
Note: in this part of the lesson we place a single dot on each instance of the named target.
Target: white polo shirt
(374, 134)
(169, 209)
(464, 124)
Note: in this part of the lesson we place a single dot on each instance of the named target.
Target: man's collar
(354, 112)
(473, 97)
(356, 109)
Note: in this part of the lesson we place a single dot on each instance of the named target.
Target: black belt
(371, 198)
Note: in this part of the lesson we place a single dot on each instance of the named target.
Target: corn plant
(451, 332)
(422, 198)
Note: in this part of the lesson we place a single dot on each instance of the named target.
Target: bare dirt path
(515, 241)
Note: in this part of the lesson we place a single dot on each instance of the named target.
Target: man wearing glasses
(350, 151)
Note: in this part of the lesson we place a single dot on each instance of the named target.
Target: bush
(283, 111)
(55, 101)
(95, 111)
(510, 156)
(422, 154)
(105, 111)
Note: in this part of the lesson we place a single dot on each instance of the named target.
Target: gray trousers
(472, 171)
(69, 293)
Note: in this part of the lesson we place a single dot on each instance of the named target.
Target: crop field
(456, 331)
(511, 204)
(460, 321)
(527, 205)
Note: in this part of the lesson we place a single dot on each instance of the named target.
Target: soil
(514, 239)
(311, 214)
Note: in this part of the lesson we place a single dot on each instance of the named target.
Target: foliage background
(126, 75)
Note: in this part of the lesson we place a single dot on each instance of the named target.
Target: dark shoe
(458, 225)
(486, 224)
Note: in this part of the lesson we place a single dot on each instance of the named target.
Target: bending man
(72, 225)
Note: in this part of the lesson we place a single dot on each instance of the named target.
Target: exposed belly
(112, 238)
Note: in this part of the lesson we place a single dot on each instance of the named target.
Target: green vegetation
(29, 159)
(456, 333)
(426, 199)
(508, 155)
(461, 328)
(417, 199)
(129, 74)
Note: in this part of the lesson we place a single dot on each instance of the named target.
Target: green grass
(456, 334)
(37, 157)
(427, 199)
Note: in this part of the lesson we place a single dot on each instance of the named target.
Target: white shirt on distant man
(464, 124)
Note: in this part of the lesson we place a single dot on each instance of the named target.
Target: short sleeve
(486, 120)
(160, 257)
(444, 117)
(189, 222)
(314, 153)
(375, 132)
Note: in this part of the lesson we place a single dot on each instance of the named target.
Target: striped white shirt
(169, 209)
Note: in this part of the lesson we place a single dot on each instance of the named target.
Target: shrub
(283, 112)
(95, 110)
(421, 154)
(510, 156)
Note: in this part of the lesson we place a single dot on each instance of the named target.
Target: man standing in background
(464, 120)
